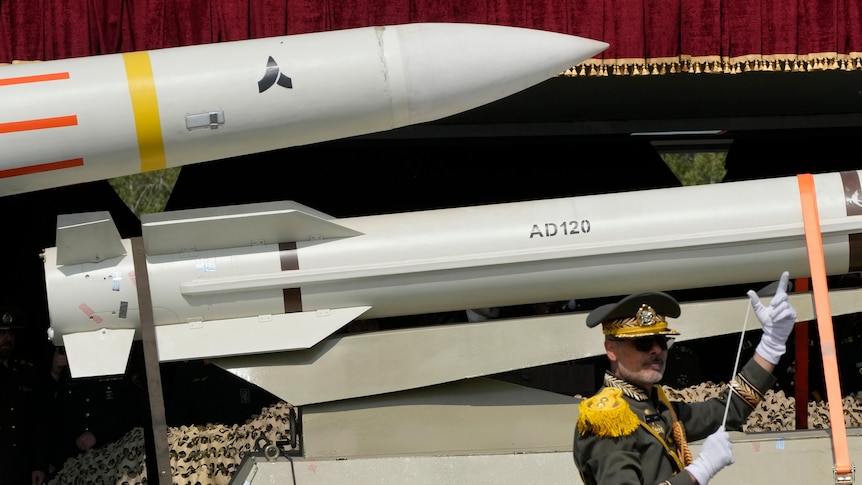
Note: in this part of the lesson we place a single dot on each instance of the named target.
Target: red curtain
(646, 37)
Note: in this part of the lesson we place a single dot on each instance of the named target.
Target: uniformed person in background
(91, 412)
(629, 433)
(23, 437)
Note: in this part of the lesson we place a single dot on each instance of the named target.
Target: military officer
(91, 412)
(630, 433)
(22, 398)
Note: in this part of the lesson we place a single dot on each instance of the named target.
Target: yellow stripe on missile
(145, 105)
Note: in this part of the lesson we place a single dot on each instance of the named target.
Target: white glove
(716, 454)
(777, 321)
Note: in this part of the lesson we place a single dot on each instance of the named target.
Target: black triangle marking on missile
(285, 81)
(273, 76)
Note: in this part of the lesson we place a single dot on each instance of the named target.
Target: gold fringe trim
(607, 414)
(17, 61)
(820, 61)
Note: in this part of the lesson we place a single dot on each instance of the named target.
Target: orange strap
(816, 261)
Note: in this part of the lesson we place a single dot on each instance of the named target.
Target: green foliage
(697, 168)
(146, 192)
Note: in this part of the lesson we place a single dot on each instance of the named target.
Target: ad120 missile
(281, 276)
(78, 120)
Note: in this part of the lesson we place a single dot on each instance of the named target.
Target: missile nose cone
(465, 66)
(590, 46)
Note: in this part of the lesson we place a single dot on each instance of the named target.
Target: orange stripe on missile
(40, 124)
(54, 76)
(42, 167)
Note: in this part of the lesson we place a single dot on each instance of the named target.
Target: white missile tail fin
(89, 237)
(103, 352)
(237, 226)
(250, 335)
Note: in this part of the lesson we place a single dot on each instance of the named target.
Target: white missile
(78, 120)
(280, 276)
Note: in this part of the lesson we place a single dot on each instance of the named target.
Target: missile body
(284, 276)
(78, 120)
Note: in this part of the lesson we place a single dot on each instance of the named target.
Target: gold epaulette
(607, 414)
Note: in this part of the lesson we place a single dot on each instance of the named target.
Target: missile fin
(237, 226)
(265, 333)
(89, 237)
(103, 352)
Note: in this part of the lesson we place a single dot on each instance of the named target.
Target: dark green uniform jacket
(639, 457)
(23, 436)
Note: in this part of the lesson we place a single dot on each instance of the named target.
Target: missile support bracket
(160, 461)
(266, 451)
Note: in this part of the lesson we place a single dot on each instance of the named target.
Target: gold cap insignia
(638, 315)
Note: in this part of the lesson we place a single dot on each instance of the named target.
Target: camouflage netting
(120, 462)
(777, 412)
(208, 455)
(200, 455)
